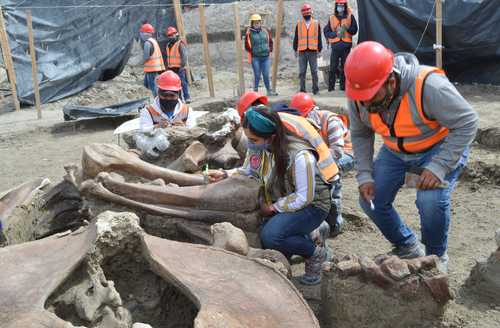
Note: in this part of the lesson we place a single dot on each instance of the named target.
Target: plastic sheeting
(73, 112)
(470, 34)
(77, 42)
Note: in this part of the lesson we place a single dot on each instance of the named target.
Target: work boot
(408, 252)
(442, 264)
(320, 234)
(313, 265)
(271, 93)
(188, 101)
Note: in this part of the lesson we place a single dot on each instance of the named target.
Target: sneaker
(187, 101)
(442, 264)
(320, 234)
(408, 252)
(313, 265)
(316, 92)
(271, 94)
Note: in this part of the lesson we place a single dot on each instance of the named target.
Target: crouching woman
(297, 198)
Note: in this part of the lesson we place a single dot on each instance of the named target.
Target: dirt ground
(30, 148)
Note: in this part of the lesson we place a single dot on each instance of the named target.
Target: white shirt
(147, 121)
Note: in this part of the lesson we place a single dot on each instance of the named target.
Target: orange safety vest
(174, 55)
(324, 115)
(307, 39)
(155, 62)
(247, 37)
(181, 116)
(300, 127)
(346, 22)
(412, 131)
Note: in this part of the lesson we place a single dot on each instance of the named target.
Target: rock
(230, 238)
(395, 268)
(272, 258)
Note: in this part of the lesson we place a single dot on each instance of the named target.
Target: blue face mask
(258, 147)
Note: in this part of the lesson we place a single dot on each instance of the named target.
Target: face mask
(168, 105)
(382, 105)
(340, 9)
(258, 147)
(144, 36)
(307, 17)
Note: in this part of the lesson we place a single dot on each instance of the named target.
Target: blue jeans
(289, 232)
(433, 205)
(346, 162)
(184, 82)
(260, 66)
(150, 81)
(335, 215)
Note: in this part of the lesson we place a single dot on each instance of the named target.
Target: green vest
(260, 43)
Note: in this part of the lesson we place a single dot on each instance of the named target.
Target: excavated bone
(484, 279)
(359, 292)
(272, 258)
(488, 137)
(191, 159)
(230, 238)
(246, 221)
(238, 194)
(240, 142)
(226, 157)
(243, 294)
(108, 157)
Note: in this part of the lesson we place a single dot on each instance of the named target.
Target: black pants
(338, 56)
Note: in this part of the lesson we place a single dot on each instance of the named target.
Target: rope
(426, 26)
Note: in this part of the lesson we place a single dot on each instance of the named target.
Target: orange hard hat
(247, 99)
(171, 31)
(339, 2)
(366, 69)
(303, 102)
(169, 81)
(147, 28)
(306, 9)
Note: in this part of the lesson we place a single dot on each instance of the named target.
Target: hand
(267, 210)
(216, 175)
(428, 180)
(367, 191)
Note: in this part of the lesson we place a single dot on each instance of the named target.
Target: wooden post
(206, 52)
(276, 58)
(439, 33)
(7, 59)
(239, 48)
(34, 70)
(182, 32)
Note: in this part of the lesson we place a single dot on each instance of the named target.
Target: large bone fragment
(191, 159)
(238, 194)
(245, 221)
(108, 157)
(226, 157)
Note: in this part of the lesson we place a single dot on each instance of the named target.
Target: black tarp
(75, 112)
(471, 34)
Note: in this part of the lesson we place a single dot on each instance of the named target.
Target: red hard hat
(341, 2)
(306, 8)
(169, 81)
(366, 69)
(303, 102)
(247, 99)
(171, 31)
(147, 28)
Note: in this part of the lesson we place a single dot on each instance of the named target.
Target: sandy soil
(28, 149)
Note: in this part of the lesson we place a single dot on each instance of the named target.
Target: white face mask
(340, 9)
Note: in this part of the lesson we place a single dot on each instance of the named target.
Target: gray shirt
(442, 102)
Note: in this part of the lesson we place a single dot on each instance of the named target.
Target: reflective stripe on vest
(155, 62)
(181, 116)
(323, 118)
(174, 55)
(300, 127)
(247, 37)
(307, 39)
(346, 22)
(412, 131)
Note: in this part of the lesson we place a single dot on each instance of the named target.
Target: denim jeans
(185, 90)
(260, 66)
(150, 81)
(289, 232)
(433, 205)
(311, 58)
(335, 215)
(346, 162)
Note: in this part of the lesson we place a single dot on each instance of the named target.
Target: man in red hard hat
(307, 44)
(339, 32)
(176, 59)
(167, 108)
(334, 130)
(427, 128)
(152, 57)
